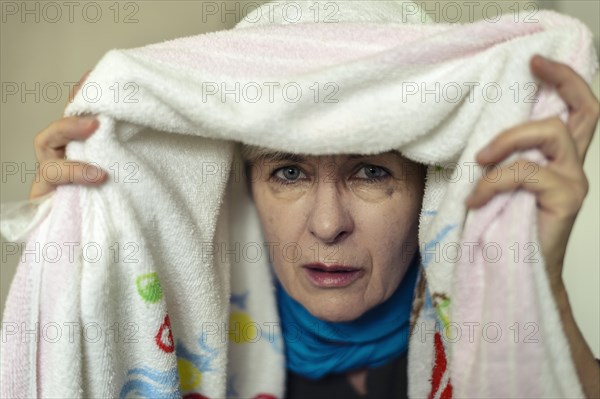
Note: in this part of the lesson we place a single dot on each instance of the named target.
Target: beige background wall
(56, 53)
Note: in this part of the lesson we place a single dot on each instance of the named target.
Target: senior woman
(365, 208)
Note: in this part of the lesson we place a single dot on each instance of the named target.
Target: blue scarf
(315, 348)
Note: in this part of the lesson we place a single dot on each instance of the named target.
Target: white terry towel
(157, 284)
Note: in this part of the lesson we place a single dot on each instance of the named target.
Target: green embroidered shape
(148, 287)
(442, 303)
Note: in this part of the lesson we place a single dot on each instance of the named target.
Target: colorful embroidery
(189, 376)
(239, 300)
(148, 383)
(430, 246)
(438, 370)
(148, 286)
(442, 305)
(242, 329)
(191, 365)
(231, 391)
(164, 336)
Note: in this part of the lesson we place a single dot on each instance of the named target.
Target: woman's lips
(324, 276)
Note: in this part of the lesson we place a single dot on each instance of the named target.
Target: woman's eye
(288, 174)
(372, 172)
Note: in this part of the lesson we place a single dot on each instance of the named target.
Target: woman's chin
(335, 314)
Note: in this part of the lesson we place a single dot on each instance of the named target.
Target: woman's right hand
(52, 167)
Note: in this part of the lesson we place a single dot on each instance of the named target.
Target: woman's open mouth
(322, 275)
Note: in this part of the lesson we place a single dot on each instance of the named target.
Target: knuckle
(578, 194)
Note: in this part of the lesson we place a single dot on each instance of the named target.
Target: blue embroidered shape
(239, 300)
(201, 362)
(276, 342)
(430, 246)
(231, 391)
(148, 383)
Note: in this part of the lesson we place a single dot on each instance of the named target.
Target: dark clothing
(387, 381)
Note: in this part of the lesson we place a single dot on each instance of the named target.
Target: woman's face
(357, 211)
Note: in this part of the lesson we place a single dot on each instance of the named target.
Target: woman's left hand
(561, 185)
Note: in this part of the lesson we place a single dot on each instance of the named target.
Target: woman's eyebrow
(283, 156)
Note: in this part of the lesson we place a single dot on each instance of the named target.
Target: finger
(51, 142)
(76, 88)
(56, 172)
(550, 136)
(584, 108)
(555, 193)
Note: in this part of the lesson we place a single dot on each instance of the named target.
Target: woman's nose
(330, 220)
